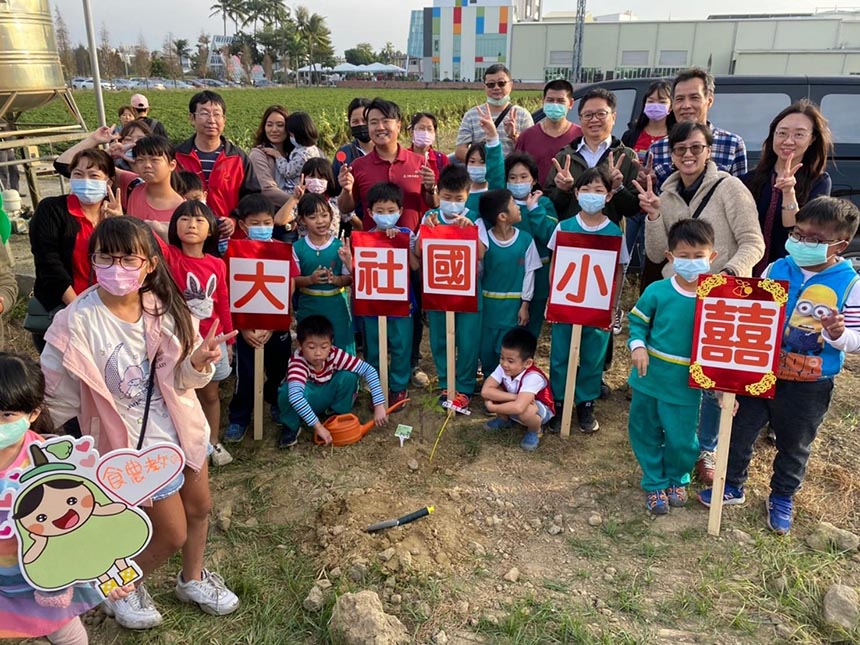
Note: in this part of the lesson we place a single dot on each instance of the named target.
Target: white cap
(139, 101)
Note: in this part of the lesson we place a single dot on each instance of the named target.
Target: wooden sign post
(736, 339)
(259, 277)
(383, 356)
(582, 288)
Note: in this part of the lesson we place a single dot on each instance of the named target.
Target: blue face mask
(592, 203)
(555, 111)
(293, 141)
(499, 102)
(222, 246)
(385, 221)
(11, 433)
(451, 208)
(804, 255)
(520, 191)
(691, 268)
(478, 174)
(88, 191)
(260, 233)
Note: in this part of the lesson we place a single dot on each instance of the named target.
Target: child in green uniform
(323, 280)
(485, 163)
(664, 411)
(594, 186)
(385, 203)
(510, 262)
(539, 220)
(454, 185)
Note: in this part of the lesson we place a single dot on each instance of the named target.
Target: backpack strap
(707, 198)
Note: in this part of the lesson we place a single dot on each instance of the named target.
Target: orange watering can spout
(347, 429)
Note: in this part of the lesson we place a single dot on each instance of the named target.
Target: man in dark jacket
(141, 106)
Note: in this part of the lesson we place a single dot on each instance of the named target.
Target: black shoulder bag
(149, 387)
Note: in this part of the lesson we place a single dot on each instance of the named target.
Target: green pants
(468, 330)
(399, 349)
(335, 307)
(592, 352)
(664, 439)
(491, 348)
(336, 395)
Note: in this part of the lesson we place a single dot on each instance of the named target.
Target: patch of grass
(555, 585)
(589, 548)
(611, 529)
(649, 550)
(628, 593)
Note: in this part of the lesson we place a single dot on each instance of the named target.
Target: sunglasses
(493, 84)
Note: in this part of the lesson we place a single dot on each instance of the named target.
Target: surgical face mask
(360, 132)
(592, 203)
(89, 191)
(555, 111)
(478, 174)
(422, 138)
(260, 233)
(499, 102)
(520, 190)
(293, 141)
(656, 111)
(691, 268)
(118, 281)
(11, 433)
(385, 221)
(222, 245)
(316, 185)
(451, 208)
(805, 255)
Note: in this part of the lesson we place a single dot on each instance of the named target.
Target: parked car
(77, 83)
(89, 84)
(746, 105)
(264, 82)
(177, 85)
(211, 82)
(123, 84)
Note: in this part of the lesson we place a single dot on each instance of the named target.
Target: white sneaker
(419, 378)
(135, 611)
(210, 594)
(220, 456)
(618, 322)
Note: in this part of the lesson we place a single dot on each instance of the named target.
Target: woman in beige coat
(698, 189)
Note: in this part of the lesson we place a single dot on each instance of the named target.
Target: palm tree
(180, 46)
(224, 7)
(316, 34)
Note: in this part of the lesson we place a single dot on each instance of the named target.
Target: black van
(746, 105)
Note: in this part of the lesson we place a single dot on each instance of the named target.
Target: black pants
(275, 359)
(417, 317)
(795, 415)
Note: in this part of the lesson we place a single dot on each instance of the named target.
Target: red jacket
(545, 395)
(232, 176)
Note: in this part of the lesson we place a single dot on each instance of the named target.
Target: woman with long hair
(271, 135)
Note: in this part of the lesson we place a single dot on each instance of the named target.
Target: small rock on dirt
(359, 619)
(315, 600)
(512, 575)
(386, 555)
(413, 464)
(225, 517)
(357, 572)
(337, 530)
(335, 573)
(478, 548)
(441, 638)
(324, 584)
(555, 529)
(841, 607)
(676, 636)
(595, 520)
(826, 536)
(741, 537)
(777, 585)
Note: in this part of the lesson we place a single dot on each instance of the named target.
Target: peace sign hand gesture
(647, 170)
(786, 180)
(648, 200)
(103, 134)
(209, 351)
(511, 125)
(345, 254)
(615, 173)
(485, 119)
(111, 205)
(299, 189)
(563, 179)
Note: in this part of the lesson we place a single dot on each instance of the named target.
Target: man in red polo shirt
(388, 161)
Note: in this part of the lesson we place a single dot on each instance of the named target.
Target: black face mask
(361, 133)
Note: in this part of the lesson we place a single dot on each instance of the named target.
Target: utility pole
(94, 58)
(579, 28)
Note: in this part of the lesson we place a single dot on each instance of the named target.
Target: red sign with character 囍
(582, 282)
(449, 257)
(259, 279)
(381, 272)
(737, 334)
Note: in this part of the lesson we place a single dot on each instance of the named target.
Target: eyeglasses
(600, 115)
(801, 135)
(493, 84)
(209, 115)
(127, 262)
(811, 241)
(696, 149)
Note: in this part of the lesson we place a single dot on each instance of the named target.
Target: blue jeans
(634, 235)
(709, 421)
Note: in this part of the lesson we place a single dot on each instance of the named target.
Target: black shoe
(289, 437)
(605, 390)
(554, 425)
(585, 414)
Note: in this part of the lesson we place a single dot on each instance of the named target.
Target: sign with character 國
(75, 512)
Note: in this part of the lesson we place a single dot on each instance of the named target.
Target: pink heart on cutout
(6, 531)
(89, 461)
(6, 500)
(133, 476)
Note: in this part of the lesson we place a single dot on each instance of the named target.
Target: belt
(327, 292)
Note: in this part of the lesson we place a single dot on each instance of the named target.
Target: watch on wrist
(790, 207)
(730, 272)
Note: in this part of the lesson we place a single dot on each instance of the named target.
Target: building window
(673, 58)
(563, 58)
(634, 58)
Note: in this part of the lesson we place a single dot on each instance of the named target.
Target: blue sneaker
(731, 496)
(496, 424)
(657, 502)
(531, 441)
(289, 437)
(779, 513)
(235, 433)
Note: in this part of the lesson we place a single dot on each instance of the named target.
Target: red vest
(545, 395)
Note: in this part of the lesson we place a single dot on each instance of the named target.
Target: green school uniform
(539, 222)
(495, 162)
(324, 299)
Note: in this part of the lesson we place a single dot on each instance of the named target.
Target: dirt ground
(591, 565)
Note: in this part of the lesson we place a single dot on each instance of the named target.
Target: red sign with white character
(449, 257)
(259, 277)
(582, 280)
(381, 272)
(737, 334)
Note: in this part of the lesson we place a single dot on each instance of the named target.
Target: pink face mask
(118, 281)
(422, 138)
(316, 185)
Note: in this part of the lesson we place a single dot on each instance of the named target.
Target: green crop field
(327, 106)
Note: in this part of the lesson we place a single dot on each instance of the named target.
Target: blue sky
(354, 21)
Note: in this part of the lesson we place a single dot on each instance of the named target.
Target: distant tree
(271, 42)
(246, 57)
(222, 7)
(180, 46)
(317, 35)
(242, 41)
(158, 66)
(361, 54)
(142, 63)
(169, 59)
(64, 45)
(83, 66)
(387, 54)
(200, 60)
(108, 59)
(229, 67)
